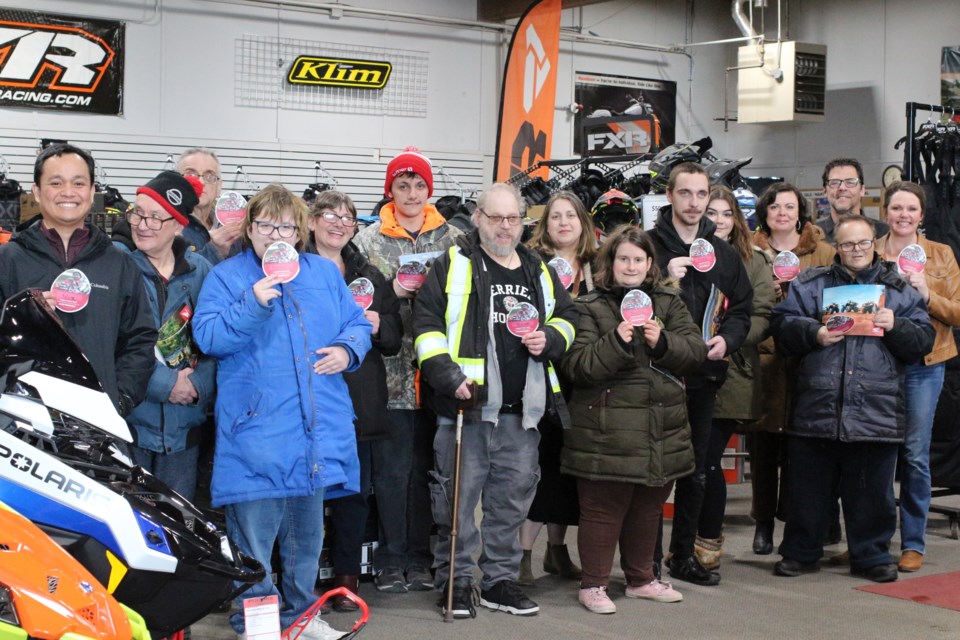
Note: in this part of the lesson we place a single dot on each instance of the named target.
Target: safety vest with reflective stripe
(458, 288)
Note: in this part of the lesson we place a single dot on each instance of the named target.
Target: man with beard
(843, 187)
(718, 293)
(470, 349)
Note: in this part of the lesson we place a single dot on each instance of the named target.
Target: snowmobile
(64, 464)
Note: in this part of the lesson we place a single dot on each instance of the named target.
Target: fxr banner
(623, 115)
(525, 130)
(59, 62)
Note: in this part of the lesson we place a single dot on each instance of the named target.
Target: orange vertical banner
(528, 95)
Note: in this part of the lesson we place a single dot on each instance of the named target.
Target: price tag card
(281, 260)
(786, 266)
(71, 290)
(703, 255)
(362, 291)
(261, 618)
(522, 319)
(636, 307)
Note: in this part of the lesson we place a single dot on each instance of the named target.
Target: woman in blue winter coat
(168, 423)
(285, 435)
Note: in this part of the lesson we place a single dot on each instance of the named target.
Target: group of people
(581, 382)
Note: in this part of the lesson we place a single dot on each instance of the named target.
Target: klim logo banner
(339, 72)
(528, 93)
(60, 62)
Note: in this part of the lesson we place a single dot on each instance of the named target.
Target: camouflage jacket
(382, 243)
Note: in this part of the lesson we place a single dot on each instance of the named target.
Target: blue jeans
(179, 470)
(498, 469)
(298, 523)
(923, 390)
(401, 465)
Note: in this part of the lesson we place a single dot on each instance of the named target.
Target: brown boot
(352, 583)
(557, 562)
(525, 576)
(708, 552)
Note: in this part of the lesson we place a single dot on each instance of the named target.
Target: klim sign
(60, 62)
(339, 72)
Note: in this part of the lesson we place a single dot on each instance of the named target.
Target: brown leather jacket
(943, 280)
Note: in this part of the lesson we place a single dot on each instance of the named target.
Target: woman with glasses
(285, 437)
(564, 231)
(939, 284)
(170, 421)
(333, 222)
(783, 224)
(739, 400)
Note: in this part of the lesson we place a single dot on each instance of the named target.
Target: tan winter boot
(525, 577)
(557, 562)
(708, 552)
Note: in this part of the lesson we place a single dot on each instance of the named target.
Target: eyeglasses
(850, 182)
(499, 220)
(154, 223)
(283, 230)
(863, 245)
(332, 217)
(209, 178)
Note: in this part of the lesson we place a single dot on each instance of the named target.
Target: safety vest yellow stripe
(458, 288)
(554, 380)
(430, 344)
(565, 328)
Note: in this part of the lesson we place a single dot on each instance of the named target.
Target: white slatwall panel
(130, 161)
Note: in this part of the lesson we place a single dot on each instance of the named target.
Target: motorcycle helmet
(613, 209)
(664, 162)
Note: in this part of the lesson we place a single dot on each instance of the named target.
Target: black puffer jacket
(628, 407)
(851, 391)
(115, 330)
(368, 384)
(729, 277)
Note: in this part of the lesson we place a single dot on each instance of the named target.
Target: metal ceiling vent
(778, 81)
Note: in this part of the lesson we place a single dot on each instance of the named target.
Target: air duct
(741, 20)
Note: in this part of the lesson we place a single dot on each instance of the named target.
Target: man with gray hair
(214, 242)
(488, 322)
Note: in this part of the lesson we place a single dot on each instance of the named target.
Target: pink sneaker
(596, 600)
(656, 590)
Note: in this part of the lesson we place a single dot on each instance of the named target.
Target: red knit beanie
(410, 161)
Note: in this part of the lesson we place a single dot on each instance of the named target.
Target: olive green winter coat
(741, 396)
(628, 408)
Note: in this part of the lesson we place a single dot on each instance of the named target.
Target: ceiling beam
(500, 10)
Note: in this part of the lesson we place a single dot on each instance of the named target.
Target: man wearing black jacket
(115, 329)
(719, 299)
(470, 348)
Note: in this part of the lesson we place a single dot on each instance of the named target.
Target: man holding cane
(491, 314)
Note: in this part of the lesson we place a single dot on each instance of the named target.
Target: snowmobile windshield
(33, 339)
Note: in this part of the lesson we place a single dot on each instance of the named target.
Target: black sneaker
(507, 596)
(690, 570)
(391, 580)
(419, 579)
(463, 601)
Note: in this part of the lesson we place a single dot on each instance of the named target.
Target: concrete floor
(749, 603)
